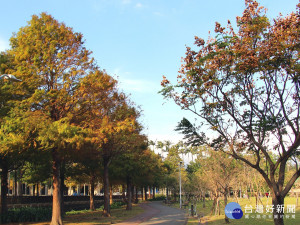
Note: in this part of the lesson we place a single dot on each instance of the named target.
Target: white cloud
(126, 2)
(131, 85)
(136, 85)
(139, 5)
(4, 45)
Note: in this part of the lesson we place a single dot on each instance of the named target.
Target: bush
(117, 205)
(75, 212)
(27, 214)
(158, 198)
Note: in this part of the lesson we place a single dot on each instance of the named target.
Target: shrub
(27, 214)
(158, 198)
(117, 205)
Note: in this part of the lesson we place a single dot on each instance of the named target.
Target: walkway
(158, 213)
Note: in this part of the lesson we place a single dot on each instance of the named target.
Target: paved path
(158, 213)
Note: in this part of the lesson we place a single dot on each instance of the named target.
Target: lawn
(96, 218)
(263, 220)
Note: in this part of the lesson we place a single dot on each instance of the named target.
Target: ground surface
(147, 213)
(95, 217)
(158, 213)
(253, 219)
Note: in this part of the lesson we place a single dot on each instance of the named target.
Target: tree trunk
(236, 196)
(62, 187)
(167, 198)
(19, 183)
(256, 198)
(106, 210)
(16, 183)
(213, 208)
(19, 188)
(4, 189)
(33, 190)
(136, 195)
(111, 195)
(153, 196)
(145, 190)
(56, 205)
(215, 205)
(149, 189)
(92, 189)
(129, 194)
(37, 190)
(219, 206)
(132, 193)
(142, 193)
(278, 215)
(123, 193)
(225, 203)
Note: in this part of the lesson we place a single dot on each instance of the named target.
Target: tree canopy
(67, 114)
(244, 84)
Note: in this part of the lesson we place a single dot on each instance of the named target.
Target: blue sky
(138, 41)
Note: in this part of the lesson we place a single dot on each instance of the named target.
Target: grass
(219, 219)
(96, 218)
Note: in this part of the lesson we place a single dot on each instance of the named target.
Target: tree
(190, 133)
(5, 62)
(152, 143)
(11, 143)
(164, 146)
(50, 58)
(37, 169)
(221, 173)
(171, 164)
(17, 138)
(134, 156)
(16, 131)
(246, 83)
(197, 185)
(182, 149)
(121, 121)
(109, 116)
(86, 167)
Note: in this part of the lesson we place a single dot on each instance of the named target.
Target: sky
(138, 41)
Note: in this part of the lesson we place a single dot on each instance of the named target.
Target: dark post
(192, 210)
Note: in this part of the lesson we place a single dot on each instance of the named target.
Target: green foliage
(158, 198)
(75, 212)
(190, 133)
(114, 205)
(38, 170)
(193, 167)
(61, 135)
(66, 113)
(4, 61)
(27, 214)
(117, 205)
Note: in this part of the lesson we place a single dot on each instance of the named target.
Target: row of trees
(243, 84)
(220, 176)
(68, 115)
(181, 148)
